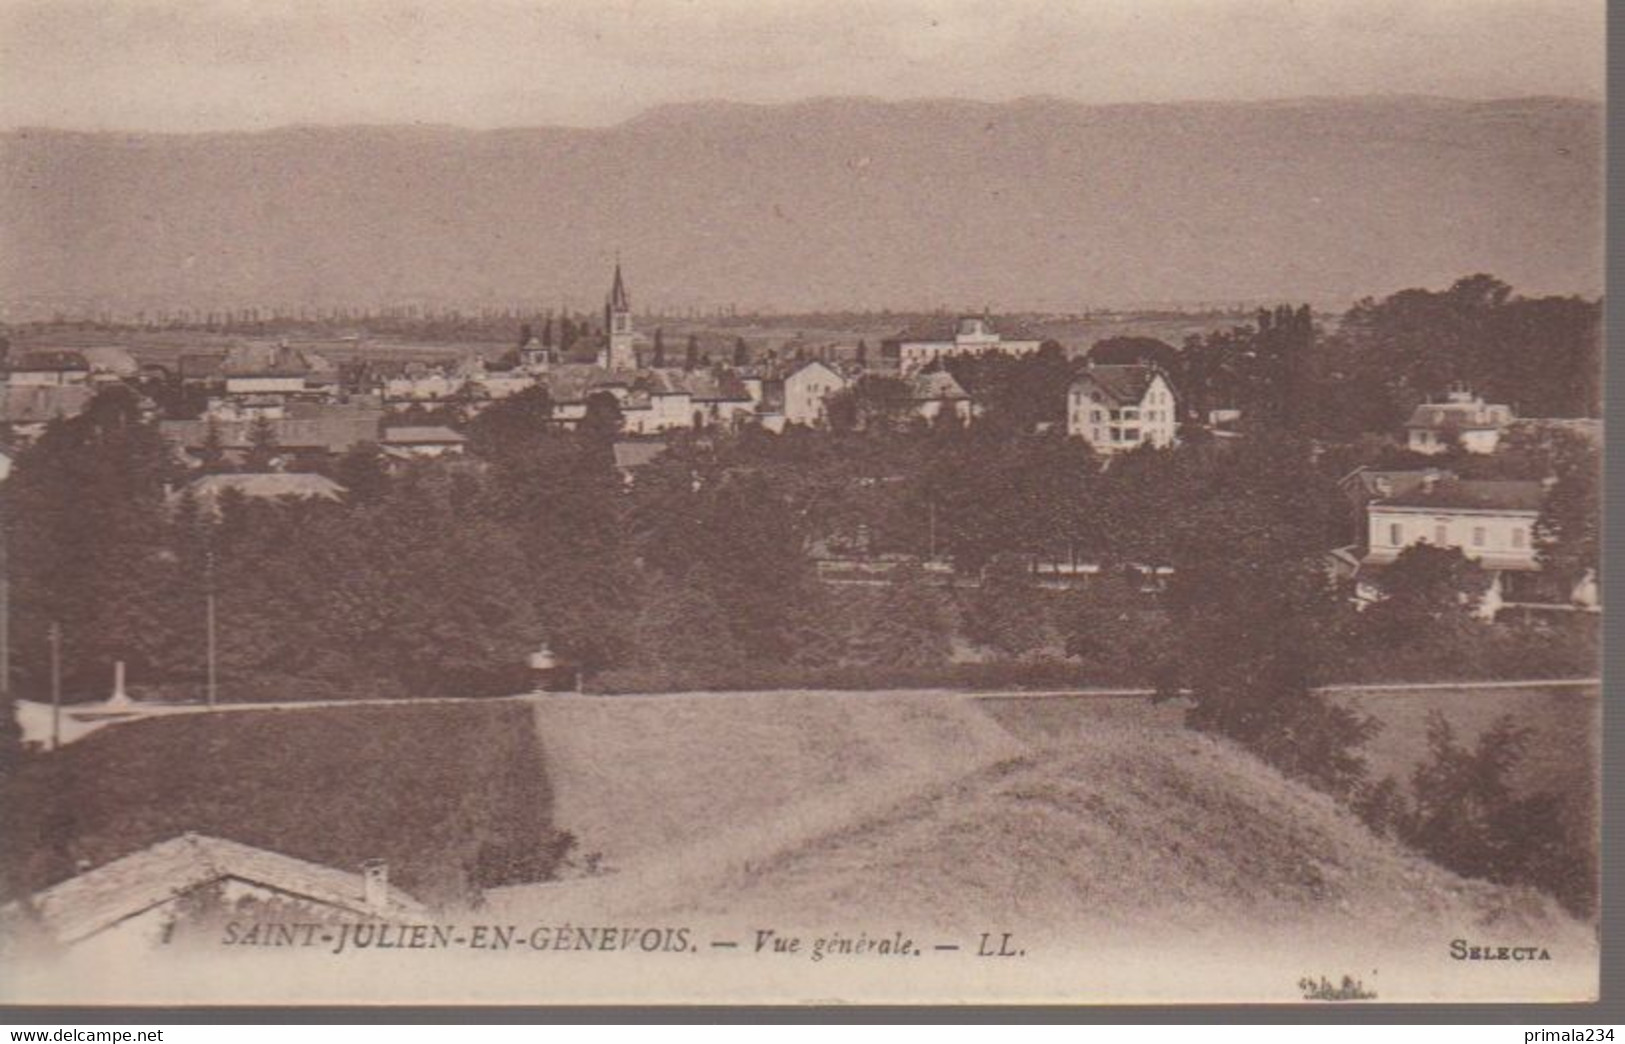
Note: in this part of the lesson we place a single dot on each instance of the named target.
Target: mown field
(425, 787)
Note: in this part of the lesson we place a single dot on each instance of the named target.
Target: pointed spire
(618, 300)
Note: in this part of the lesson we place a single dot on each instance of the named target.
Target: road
(81, 719)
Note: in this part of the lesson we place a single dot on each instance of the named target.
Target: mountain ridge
(1036, 203)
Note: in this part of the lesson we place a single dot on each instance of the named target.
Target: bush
(1465, 814)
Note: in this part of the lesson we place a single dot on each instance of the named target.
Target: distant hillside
(1033, 204)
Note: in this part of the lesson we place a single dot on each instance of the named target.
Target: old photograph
(539, 502)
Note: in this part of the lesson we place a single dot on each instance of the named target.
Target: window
(1396, 534)
(1478, 536)
(1517, 536)
(1131, 413)
(1097, 415)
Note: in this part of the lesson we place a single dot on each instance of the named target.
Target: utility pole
(55, 635)
(208, 597)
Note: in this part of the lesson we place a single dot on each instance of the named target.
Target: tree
(1427, 593)
(602, 421)
(1257, 617)
(509, 424)
(363, 471)
(1567, 532)
(873, 404)
(213, 453)
(741, 352)
(908, 626)
(1132, 351)
(1006, 613)
(1467, 813)
(85, 512)
(659, 359)
(691, 353)
(262, 444)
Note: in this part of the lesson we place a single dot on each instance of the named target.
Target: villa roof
(1126, 383)
(925, 387)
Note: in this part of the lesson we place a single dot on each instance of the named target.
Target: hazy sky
(227, 64)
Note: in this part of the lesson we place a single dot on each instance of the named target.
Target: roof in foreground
(1470, 495)
(98, 899)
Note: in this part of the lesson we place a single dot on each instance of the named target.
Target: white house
(1491, 522)
(1117, 408)
(1435, 426)
(807, 392)
(915, 348)
(48, 369)
(936, 394)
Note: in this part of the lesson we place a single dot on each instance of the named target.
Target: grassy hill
(422, 786)
(1059, 818)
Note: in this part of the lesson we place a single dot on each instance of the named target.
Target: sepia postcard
(533, 502)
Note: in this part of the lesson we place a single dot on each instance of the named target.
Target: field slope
(922, 810)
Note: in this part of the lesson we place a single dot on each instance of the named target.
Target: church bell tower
(621, 349)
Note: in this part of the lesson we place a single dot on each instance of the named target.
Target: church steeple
(621, 348)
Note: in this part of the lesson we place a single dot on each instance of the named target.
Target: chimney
(375, 885)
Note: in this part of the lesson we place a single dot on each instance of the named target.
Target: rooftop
(1125, 383)
(101, 898)
(36, 404)
(269, 485)
(1470, 495)
(54, 361)
(422, 435)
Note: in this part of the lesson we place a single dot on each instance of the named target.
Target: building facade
(807, 392)
(917, 347)
(1119, 408)
(1463, 418)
